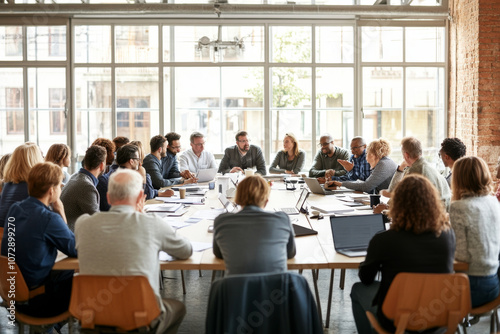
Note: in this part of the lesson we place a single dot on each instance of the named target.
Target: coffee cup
(374, 200)
(182, 192)
(249, 172)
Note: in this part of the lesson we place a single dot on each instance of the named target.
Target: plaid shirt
(360, 171)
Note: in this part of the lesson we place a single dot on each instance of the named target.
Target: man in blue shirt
(38, 232)
(357, 167)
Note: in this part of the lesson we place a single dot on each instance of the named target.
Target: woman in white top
(475, 217)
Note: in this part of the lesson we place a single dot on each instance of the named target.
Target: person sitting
(383, 169)
(39, 233)
(326, 162)
(291, 159)
(196, 157)
(475, 217)
(241, 156)
(128, 156)
(110, 152)
(3, 161)
(452, 149)
(357, 167)
(80, 194)
(267, 238)
(60, 154)
(15, 177)
(415, 163)
(159, 164)
(420, 240)
(126, 241)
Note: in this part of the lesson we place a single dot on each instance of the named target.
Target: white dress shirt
(189, 160)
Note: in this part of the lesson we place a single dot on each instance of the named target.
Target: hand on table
(329, 173)
(165, 193)
(321, 180)
(381, 207)
(187, 174)
(332, 184)
(235, 170)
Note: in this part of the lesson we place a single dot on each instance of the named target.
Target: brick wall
(474, 101)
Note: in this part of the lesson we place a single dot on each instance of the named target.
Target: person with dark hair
(452, 149)
(196, 157)
(241, 156)
(357, 168)
(80, 195)
(110, 152)
(40, 229)
(420, 240)
(267, 237)
(161, 164)
(475, 217)
(119, 141)
(128, 157)
(326, 162)
(60, 154)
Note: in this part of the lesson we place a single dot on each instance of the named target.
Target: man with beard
(326, 162)
(161, 164)
(242, 156)
(80, 195)
(127, 157)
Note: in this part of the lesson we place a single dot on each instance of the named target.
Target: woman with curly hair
(420, 240)
(110, 151)
(475, 217)
(60, 154)
(383, 168)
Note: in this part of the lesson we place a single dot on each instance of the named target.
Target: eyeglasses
(135, 158)
(355, 147)
(175, 147)
(320, 145)
(244, 141)
(199, 144)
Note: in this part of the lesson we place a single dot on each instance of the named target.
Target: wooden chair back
(12, 283)
(419, 301)
(124, 302)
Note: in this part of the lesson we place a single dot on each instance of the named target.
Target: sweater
(323, 162)
(379, 179)
(281, 163)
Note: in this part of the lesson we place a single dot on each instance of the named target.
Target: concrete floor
(198, 288)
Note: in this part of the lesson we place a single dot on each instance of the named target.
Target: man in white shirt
(196, 158)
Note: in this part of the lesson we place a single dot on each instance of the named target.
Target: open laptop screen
(303, 196)
(355, 231)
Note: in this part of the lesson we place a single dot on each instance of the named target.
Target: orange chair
(422, 301)
(9, 272)
(491, 309)
(121, 303)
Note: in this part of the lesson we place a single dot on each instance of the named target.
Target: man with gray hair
(326, 162)
(126, 241)
(196, 157)
(357, 167)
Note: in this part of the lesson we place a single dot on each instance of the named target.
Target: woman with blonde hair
(15, 176)
(383, 168)
(475, 217)
(291, 159)
(60, 154)
(420, 240)
(3, 161)
(253, 240)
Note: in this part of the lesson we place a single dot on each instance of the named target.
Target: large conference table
(314, 252)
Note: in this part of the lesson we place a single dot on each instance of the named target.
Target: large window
(140, 78)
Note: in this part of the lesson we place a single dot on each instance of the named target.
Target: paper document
(162, 207)
(332, 208)
(208, 214)
(189, 200)
(200, 246)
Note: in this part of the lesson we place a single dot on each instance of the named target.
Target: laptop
(227, 204)
(205, 175)
(301, 231)
(298, 207)
(318, 188)
(352, 234)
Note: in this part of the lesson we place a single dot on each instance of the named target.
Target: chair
(9, 270)
(422, 301)
(491, 309)
(262, 303)
(122, 303)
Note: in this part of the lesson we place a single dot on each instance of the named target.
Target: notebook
(298, 206)
(352, 234)
(317, 188)
(227, 204)
(205, 175)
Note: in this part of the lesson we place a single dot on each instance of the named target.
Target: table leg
(183, 283)
(342, 279)
(330, 294)
(315, 274)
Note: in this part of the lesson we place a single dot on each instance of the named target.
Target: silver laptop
(318, 188)
(298, 207)
(352, 234)
(205, 175)
(227, 204)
